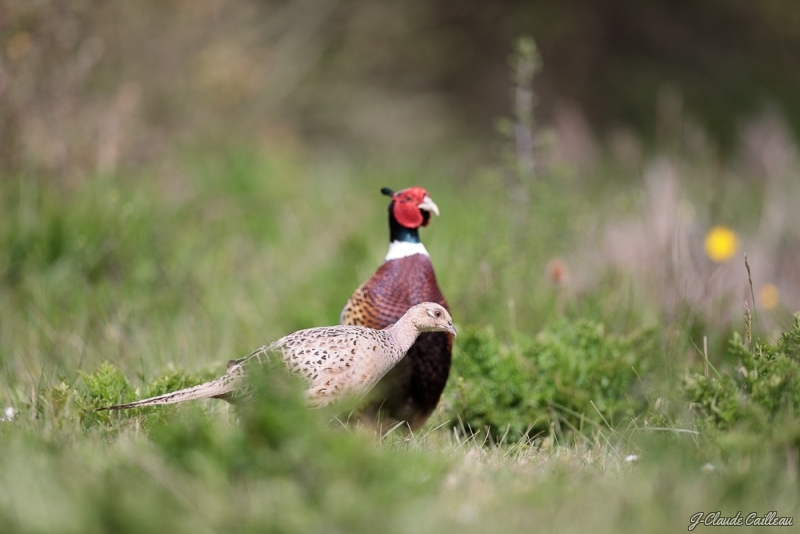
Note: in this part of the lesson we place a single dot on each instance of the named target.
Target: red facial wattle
(406, 207)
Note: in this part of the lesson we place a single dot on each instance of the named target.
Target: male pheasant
(336, 362)
(411, 390)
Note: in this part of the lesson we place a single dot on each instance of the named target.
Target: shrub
(108, 385)
(570, 374)
(764, 390)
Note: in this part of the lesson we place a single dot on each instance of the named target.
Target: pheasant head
(409, 209)
(430, 317)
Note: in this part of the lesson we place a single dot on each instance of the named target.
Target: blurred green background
(407, 74)
(673, 116)
(183, 181)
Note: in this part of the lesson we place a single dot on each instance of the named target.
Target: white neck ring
(402, 249)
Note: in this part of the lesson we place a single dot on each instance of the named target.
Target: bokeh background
(388, 77)
(648, 125)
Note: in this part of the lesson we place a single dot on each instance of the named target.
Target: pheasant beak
(428, 204)
(452, 329)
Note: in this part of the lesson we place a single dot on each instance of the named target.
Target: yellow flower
(721, 244)
(769, 296)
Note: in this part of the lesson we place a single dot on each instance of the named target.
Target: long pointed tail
(220, 387)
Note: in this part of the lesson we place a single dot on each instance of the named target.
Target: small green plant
(107, 385)
(570, 376)
(764, 389)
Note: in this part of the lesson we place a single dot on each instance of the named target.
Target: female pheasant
(337, 362)
(411, 390)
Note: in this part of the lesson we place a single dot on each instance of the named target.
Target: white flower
(9, 414)
(631, 458)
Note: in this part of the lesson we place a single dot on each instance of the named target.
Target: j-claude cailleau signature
(716, 519)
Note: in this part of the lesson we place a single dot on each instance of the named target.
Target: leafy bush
(570, 374)
(108, 385)
(762, 398)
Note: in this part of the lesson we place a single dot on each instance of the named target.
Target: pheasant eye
(437, 314)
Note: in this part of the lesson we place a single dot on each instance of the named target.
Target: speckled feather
(336, 361)
(411, 390)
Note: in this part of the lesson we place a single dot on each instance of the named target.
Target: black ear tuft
(386, 191)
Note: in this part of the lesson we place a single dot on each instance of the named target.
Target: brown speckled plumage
(336, 361)
(411, 390)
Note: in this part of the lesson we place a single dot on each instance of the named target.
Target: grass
(128, 285)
